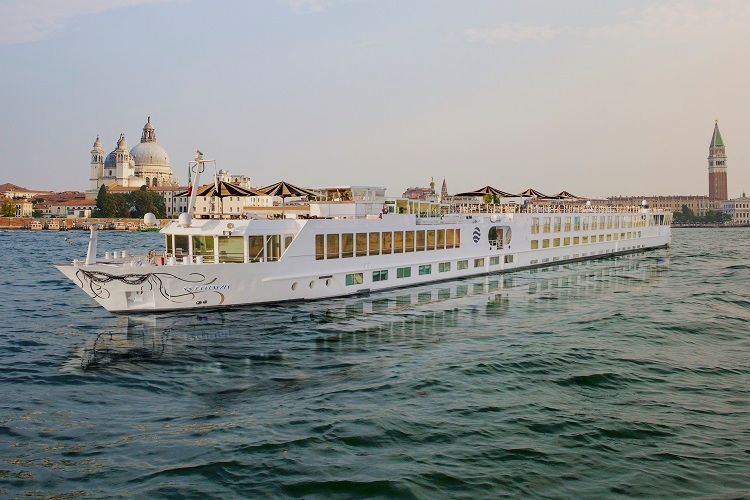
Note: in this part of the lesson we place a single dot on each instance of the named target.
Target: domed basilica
(147, 164)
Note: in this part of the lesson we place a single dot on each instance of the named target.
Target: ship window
(255, 244)
(534, 244)
(440, 239)
(430, 239)
(449, 238)
(534, 225)
(629, 235)
(616, 236)
(332, 246)
(601, 237)
(320, 249)
(546, 227)
(545, 243)
(354, 279)
(478, 262)
(387, 242)
(379, 275)
(576, 223)
(231, 249)
(420, 240)
(398, 242)
(567, 223)
(602, 220)
(556, 242)
(403, 272)
(347, 245)
(609, 222)
(617, 222)
(558, 224)
(508, 259)
(273, 247)
(462, 264)
(425, 269)
(409, 241)
(374, 243)
(287, 239)
(594, 224)
(170, 246)
(457, 240)
(585, 223)
(361, 244)
(566, 241)
(204, 246)
(444, 267)
(494, 261)
(609, 237)
(576, 240)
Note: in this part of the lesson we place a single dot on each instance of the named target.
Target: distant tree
(37, 213)
(111, 204)
(8, 209)
(488, 198)
(143, 201)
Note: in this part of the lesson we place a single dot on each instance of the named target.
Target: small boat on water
(131, 226)
(35, 225)
(119, 225)
(146, 228)
(346, 247)
(52, 225)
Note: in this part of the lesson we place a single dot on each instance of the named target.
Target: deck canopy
(221, 190)
(565, 195)
(485, 191)
(285, 190)
(531, 193)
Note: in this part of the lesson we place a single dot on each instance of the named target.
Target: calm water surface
(625, 377)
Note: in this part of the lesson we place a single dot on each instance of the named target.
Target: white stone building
(738, 209)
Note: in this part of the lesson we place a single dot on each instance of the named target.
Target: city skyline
(598, 99)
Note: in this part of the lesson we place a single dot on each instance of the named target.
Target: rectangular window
(398, 242)
(457, 239)
(440, 239)
(601, 238)
(617, 222)
(629, 235)
(332, 246)
(273, 247)
(181, 244)
(585, 222)
(558, 224)
(347, 245)
(379, 275)
(449, 238)
(231, 249)
(576, 223)
(609, 222)
(387, 242)
(256, 247)
(508, 259)
(609, 237)
(546, 226)
(403, 272)
(534, 225)
(430, 239)
(494, 261)
(556, 242)
(425, 269)
(545, 243)
(576, 240)
(444, 267)
(534, 244)
(594, 224)
(420, 240)
(615, 236)
(361, 244)
(567, 223)
(374, 244)
(602, 221)
(566, 241)
(479, 262)
(204, 246)
(462, 264)
(354, 279)
(409, 241)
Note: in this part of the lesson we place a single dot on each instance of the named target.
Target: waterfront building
(423, 193)
(12, 191)
(147, 164)
(738, 209)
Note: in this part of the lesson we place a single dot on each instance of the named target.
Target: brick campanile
(717, 167)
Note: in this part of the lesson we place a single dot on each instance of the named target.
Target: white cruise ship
(364, 243)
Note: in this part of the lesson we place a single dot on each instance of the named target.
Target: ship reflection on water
(423, 313)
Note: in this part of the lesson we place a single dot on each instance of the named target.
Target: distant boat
(131, 227)
(36, 225)
(119, 226)
(149, 228)
(52, 225)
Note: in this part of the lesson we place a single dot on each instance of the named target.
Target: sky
(599, 98)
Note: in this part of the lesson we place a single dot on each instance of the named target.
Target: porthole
(294, 285)
(328, 282)
(312, 284)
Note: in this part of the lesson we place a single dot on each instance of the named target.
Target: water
(621, 377)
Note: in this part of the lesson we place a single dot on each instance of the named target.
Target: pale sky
(597, 97)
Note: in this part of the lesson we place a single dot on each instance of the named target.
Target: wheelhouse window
(203, 246)
(255, 244)
(231, 249)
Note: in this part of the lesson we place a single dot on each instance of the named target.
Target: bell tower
(717, 167)
(97, 167)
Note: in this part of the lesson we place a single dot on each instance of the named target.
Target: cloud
(512, 33)
(679, 21)
(23, 21)
(306, 6)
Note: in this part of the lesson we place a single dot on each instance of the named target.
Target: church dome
(148, 152)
